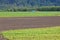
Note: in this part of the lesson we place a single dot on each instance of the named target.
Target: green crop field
(52, 33)
(29, 14)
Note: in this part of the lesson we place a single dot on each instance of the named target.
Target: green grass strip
(29, 14)
(52, 33)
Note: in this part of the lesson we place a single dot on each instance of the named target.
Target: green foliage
(49, 8)
(29, 5)
(52, 33)
(42, 8)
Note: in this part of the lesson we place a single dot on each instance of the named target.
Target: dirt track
(28, 22)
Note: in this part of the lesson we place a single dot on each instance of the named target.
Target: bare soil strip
(28, 22)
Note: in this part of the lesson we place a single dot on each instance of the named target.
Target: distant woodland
(29, 5)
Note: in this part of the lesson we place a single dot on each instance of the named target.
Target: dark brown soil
(27, 22)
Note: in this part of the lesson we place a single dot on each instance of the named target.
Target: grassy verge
(28, 14)
(52, 33)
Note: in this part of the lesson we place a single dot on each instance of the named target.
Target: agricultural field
(52, 33)
(30, 25)
(29, 14)
(29, 20)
